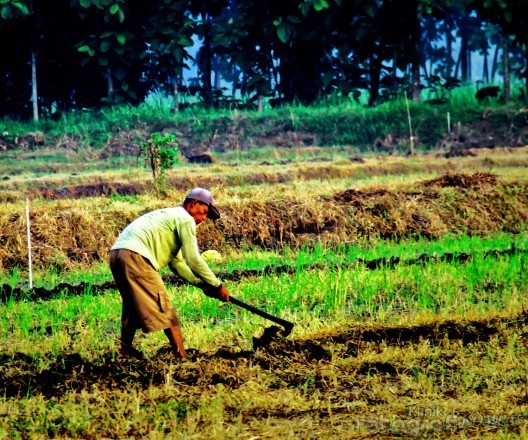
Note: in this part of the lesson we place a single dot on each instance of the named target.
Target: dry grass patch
(79, 232)
(227, 174)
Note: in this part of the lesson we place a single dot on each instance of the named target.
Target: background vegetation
(84, 54)
(394, 127)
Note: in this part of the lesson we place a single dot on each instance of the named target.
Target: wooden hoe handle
(288, 326)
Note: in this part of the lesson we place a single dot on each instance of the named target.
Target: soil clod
(270, 334)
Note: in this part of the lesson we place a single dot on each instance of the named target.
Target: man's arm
(179, 267)
(188, 263)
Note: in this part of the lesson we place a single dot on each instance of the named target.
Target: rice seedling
(392, 294)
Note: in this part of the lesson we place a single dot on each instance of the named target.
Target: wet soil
(91, 190)
(288, 359)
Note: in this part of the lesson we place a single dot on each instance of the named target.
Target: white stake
(29, 245)
(448, 122)
(411, 138)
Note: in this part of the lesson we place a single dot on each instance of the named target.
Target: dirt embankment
(454, 203)
(481, 128)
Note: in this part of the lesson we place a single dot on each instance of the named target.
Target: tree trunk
(175, 92)
(425, 69)
(506, 62)
(34, 93)
(525, 95)
(275, 78)
(495, 63)
(457, 66)
(416, 34)
(374, 74)
(469, 65)
(109, 85)
(217, 78)
(485, 71)
(207, 64)
(394, 69)
(260, 107)
(449, 47)
(299, 73)
(463, 56)
(415, 79)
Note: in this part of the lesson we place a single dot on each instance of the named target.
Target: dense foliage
(65, 54)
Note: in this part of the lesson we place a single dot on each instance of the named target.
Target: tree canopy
(68, 54)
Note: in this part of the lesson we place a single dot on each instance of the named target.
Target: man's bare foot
(131, 353)
(180, 353)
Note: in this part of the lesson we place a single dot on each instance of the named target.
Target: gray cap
(205, 196)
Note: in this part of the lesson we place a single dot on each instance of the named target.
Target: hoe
(288, 326)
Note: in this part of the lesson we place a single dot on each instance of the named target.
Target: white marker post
(29, 245)
(411, 137)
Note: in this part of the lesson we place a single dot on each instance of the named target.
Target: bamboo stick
(29, 245)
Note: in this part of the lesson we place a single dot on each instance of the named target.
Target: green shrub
(160, 153)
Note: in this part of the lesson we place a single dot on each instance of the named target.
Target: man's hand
(221, 293)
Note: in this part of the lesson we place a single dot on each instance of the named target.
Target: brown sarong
(146, 303)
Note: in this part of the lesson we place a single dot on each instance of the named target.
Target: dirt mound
(133, 188)
(91, 190)
(124, 144)
(355, 196)
(29, 141)
(205, 157)
(460, 180)
(479, 204)
(496, 128)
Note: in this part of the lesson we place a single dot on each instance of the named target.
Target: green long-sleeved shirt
(168, 237)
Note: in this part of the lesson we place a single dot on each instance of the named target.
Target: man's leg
(176, 341)
(128, 313)
(127, 337)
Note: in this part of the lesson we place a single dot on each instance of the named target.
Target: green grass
(254, 260)
(310, 297)
(345, 123)
(404, 249)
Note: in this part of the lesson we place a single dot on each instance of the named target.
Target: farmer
(153, 241)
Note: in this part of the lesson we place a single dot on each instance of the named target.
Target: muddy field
(351, 382)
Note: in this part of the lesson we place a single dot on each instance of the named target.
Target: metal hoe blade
(288, 326)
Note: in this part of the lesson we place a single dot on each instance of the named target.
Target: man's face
(198, 210)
